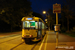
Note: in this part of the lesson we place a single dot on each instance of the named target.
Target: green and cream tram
(33, 28)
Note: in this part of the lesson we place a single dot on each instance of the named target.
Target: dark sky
(41, 5)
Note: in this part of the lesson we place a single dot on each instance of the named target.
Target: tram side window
(42, 26)
(36, 25)
(26, 24)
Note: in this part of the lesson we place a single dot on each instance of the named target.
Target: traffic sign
(57, 28)
(56, 8)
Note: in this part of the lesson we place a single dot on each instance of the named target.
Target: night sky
(41, 5)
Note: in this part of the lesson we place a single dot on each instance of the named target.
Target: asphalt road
(14, 42)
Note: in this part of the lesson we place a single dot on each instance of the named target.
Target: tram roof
(34, 18)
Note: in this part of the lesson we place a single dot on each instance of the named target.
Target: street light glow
(44, 12)
(47, 15)
(45, 19)
(46, 22)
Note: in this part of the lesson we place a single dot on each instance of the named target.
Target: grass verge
(70, 34)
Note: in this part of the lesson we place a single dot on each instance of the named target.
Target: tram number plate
(27, 35)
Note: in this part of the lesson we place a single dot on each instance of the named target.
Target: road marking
(46, 43)
(42, 42)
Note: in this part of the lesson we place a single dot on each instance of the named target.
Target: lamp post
(47, 15)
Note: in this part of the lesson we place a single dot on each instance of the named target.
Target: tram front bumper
(27, 36)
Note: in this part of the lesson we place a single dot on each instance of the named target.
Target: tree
(62, 20)
(68, 11)
(51, 18)
(11, 11)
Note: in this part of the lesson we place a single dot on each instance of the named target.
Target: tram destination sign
(29, 18)
(56, 8)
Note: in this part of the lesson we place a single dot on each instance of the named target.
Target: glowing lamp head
(44, 12)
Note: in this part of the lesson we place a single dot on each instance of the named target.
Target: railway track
(8, 40)
(25, 45)
(21, 44)
(16, 45)
(33, 44)
(10, 36)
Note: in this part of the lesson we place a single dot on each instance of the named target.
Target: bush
(63, 29)
(73, 30)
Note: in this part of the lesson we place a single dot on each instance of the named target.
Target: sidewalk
(65, 42)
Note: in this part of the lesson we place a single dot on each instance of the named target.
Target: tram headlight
(30, 35)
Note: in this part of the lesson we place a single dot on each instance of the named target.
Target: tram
(33, 29)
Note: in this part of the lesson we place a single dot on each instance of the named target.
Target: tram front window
(29, 25)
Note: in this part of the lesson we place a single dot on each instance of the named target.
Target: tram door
(39, 34)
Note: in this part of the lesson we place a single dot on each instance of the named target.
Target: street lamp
(44, 12)
(47, 15)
